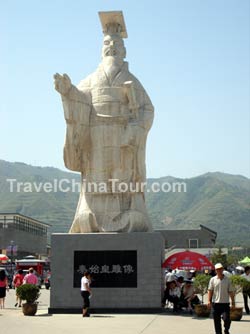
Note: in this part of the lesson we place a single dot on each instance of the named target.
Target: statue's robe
(106, 140)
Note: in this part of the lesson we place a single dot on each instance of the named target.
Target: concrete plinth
(126, 268)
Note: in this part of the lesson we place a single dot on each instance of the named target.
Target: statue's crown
(113, 23)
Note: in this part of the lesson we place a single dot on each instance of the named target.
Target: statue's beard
(112, 64)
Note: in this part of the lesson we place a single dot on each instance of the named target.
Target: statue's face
(113, 46)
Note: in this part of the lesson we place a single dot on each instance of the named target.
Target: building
(200, 240)
(21, 236)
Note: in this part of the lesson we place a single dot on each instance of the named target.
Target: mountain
(217, 200)
(54, 208)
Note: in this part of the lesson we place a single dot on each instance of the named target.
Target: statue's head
(114, 30)
(113, 46)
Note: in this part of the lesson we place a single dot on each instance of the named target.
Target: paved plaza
(13, 321)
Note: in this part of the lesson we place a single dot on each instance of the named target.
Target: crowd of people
(180, 292)
(18, 279)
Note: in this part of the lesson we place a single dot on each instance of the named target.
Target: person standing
(30, 278)
(17, 281)
(3, 287)
(219, 291)
(86, 293)
(246, 292)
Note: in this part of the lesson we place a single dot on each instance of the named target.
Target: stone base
(132, 284)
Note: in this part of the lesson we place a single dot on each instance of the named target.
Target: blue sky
(192, 57)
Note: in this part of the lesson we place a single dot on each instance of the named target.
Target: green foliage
(219, 257)
(239, 283)
(232, 259)
(201, 284)
(28, 292)
(246, 287)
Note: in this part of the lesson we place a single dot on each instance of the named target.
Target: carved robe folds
(107, 124)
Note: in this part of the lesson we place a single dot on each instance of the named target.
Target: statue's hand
(62, 83)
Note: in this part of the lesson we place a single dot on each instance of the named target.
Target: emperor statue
(108, 116)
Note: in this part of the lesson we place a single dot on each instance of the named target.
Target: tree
(219, 257)
(201, 284)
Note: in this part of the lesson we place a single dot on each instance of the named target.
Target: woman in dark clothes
(3, 287)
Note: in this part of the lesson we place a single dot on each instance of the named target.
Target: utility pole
(11, 256)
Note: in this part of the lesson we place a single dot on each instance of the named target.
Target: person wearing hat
(219, 291)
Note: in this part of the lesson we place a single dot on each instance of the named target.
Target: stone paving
(12, 321)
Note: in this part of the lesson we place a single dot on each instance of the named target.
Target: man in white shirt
(246, 292)
(219, 291)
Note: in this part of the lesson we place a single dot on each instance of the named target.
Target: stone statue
(108, 116)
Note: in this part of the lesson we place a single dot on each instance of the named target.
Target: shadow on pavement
(44, 315)
(101, 316)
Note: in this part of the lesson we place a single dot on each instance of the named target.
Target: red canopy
(188, 260)
(3, 258)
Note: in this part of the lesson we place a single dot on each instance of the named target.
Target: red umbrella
(3, 257)
(188, 260)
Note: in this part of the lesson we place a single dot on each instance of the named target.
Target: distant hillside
(55, 208)
(217, 200)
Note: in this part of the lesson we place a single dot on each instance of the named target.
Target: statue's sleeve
(77, 108)
(146, 109)
(139, 128)
(145, 106)
(146, 116)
